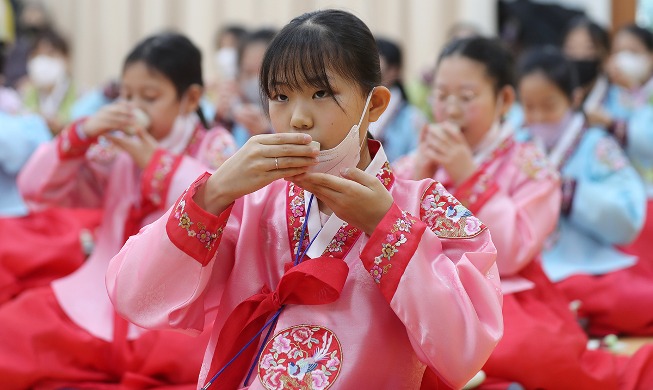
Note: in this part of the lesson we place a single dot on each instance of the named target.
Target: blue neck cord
(275, 317)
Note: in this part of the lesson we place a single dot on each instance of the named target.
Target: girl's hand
(115, 116)
(226, 99)
(358, 198)
(252, 118)
(425, 159)
(599, 117)
(141, 146)
(451, 151)
(262, 160)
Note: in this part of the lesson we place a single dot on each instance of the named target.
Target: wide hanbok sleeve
(438, 273)
(160, 278)
(609, 200)
(60, 174)
(519, 202)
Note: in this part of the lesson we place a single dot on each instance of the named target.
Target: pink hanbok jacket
(422, 291)
(516, 192)
(76, 172)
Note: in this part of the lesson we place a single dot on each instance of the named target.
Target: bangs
(302, 56)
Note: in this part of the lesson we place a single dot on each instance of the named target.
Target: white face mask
(45, 71)
(250, 89)
(346, 154)
(181, 132)
(634, 66)
(226, 63)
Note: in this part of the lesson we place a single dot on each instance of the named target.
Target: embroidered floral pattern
(157, 183)
(195, 229)
(610, 155)
(393, 241)
(533, 163)
(306, 357)
(446, 216)
(295, 215)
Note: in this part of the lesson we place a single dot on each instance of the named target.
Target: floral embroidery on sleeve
(201, 233)
(393, 241)
(610, 155)
(446, 216)
(534, 163)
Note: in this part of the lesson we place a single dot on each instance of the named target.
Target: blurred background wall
(102, 31)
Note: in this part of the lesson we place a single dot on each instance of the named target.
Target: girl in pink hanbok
(513, 189)
(133, 159)
(320, 268)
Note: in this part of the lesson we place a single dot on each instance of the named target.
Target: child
(76, 339)
(373, 279)
(603, 206)
(510, 186)
(50, 92)
(239, 101)
(396, 128)
(627, 114)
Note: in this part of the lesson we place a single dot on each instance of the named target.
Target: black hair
(238, 31)
(263, 36)
(644, 35)
(3, 59)
(392, 54)
(552, 64)
(491, 52)
(54, 39)
(318, 42)
(599, 35)
(174, 56)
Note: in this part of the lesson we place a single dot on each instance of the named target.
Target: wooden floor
(629, 345)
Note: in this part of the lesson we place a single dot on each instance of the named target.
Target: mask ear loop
(360, 122)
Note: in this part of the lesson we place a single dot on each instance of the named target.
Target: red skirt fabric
(41, 247)
(543, 347)
(620, 302)
(41, 348)
(643, 244)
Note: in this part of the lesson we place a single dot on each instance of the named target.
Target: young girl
(68, 334)
(238, 104)
(603, 206)
(627, 114)
(318, 280)
(587, 46)
(511, 187)
(396, 128)
(50, 91)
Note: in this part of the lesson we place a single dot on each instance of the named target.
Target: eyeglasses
(462, 99)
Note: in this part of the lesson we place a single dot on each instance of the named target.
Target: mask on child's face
(635, 67)
(587, 70)
(549, 133)
(45, 71)
(250, 89)
(226, 62)
(346, 154)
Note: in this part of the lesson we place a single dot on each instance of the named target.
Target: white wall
(103, 31)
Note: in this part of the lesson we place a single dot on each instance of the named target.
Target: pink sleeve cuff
(193, 230)
(390, 248)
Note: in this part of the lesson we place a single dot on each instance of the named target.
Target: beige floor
(629, 345)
